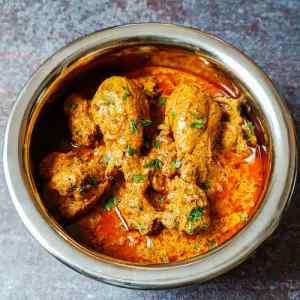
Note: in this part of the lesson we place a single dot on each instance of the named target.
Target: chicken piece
(118, 108)
(81, 125)
(187, 209)
(194, 119)
(75, 180)
(135, 208)
(237, 132)
(162, 160)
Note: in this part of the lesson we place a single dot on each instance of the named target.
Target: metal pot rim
(152, 277)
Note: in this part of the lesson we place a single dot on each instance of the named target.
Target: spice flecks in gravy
(161, 162)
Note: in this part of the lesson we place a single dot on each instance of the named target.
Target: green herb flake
(92, 180)
(110, 203)
(156, 144)
(197, 246)
(211, 244)
(196, 214)
(126, 93)
(194, 115)
(190, 228)
(161, 200)
(173, 113)
(71, 106)
(162, 100)
(141, 227)
(133, 126)
(244, 216)
(106, 100)
(249, 125)
(154, 164)
(198, 123)
(205, 185)
(106, 158)
(130, 151)
(138, 178)
(176, 164)
(89, 182)
(146, 123)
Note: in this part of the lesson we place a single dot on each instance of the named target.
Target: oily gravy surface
(152, 157)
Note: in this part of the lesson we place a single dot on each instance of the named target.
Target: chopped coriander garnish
(106, 158)
(126, 93)
(141, 227)
(154, 163)
(197, 246)
(162, 100)
(89, 182)
(106, 100)
(130, 151)
(173, 113)
(205, 185)
(110, 203)
(198, 123)
(156, 144)
(249, 125)
(196, 214)
(138, 178)
(161, 200)
(194, 114)
(211, 244)
(92, 180)
(176, 164)
(190, 228)
(133, 126)
(71, 106)
(146, 123)
(244, 216)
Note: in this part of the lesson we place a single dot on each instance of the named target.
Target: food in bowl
(153, 162)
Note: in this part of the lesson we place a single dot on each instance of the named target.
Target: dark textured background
(30, 31)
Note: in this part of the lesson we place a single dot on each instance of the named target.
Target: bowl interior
(47, 128)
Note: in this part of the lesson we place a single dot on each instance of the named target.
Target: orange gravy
(237, 194)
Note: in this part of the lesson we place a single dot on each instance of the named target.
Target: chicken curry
(165, 161)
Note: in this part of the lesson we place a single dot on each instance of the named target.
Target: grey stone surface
(268, 31)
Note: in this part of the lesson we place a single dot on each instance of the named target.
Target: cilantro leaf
(126, 93)
(130, 151)
(196, 214)
(198, 123)
(176, 164)
(106, 100)
(173, 113)
(138, 178)
(156, 144)
(205, 185)
(249, 125)
(110, 203)
(162, 100)
(154, 164)
(133, 126)
(146, 123)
